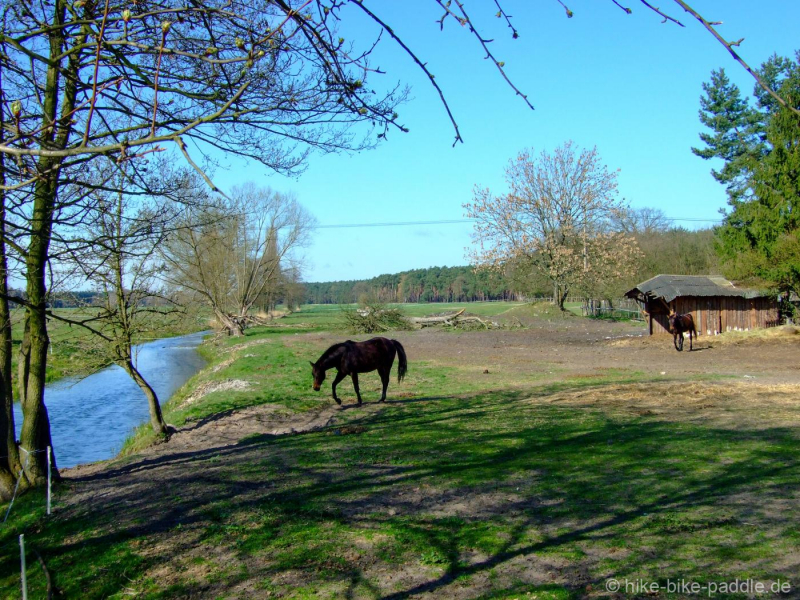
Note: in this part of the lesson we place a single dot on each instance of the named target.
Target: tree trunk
(232, 325)
(562, 298)
(156, 419)
(9, 460)
(35, 435)
(24, 363)
(55, 133)
(9, 454)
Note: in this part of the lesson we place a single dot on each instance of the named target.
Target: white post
(49, 478)
(22, 561)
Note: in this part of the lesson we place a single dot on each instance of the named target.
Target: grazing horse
(352, 358)
(678, 324)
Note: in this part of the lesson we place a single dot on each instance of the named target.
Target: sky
(628, 85)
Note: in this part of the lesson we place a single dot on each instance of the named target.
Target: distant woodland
(666, 250)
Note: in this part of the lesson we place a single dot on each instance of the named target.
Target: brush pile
(457, 319)
(374, 318)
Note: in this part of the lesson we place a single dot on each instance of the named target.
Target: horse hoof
(339, 402)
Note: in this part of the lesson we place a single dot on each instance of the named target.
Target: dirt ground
(584, 347)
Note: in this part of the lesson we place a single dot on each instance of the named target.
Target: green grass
(484, 309)
(472, 487)
(316, 316)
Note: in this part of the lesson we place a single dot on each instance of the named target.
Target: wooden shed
(714, 302)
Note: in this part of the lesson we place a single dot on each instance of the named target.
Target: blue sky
(627, 84)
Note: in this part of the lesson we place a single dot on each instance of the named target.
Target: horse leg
(354, 377)
(384, 373)
(690, 340)
(339, 377)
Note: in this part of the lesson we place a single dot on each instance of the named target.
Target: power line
(457, 221)
(395, 224)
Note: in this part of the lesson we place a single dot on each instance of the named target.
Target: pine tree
(735, 136)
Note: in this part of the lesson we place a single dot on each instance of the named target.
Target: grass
(483, 309)
(329, 316)
(454, 489)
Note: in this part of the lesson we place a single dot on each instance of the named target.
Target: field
(539, 461)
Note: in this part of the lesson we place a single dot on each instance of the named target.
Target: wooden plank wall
(716, 314)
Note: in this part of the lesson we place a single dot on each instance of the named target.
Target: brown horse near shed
(352, 358)
(678, 325)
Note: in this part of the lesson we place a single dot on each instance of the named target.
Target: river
(90, 418)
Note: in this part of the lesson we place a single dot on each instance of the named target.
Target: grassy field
(329, 316)
(459, 487)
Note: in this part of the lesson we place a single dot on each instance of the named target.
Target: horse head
(319, 376)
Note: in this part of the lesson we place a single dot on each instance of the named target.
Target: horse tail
(403, 366)
(692, 322)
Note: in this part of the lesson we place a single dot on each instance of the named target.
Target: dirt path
(223, 430)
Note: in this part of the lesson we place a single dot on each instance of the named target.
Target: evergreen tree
(734, 136)
(760, 239)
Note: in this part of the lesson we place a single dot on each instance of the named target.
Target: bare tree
(117, 259)
(556, 217)
(231, 253)
(641, 221)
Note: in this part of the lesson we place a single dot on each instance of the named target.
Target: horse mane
(332, 350)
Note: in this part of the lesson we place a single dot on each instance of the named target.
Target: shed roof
(670, 287)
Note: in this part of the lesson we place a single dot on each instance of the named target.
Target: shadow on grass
(484, 490)
(193, 423)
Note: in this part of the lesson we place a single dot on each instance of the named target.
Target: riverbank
(537, 462)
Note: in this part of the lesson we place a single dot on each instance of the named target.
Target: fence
(569, 300)
(23, 565)
(623, 308)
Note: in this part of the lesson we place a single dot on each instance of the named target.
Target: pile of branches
(456, 319)
(374, 318)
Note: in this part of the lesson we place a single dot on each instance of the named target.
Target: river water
(90, 418)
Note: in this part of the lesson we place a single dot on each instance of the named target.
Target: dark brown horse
(352, 358)
(678, 324)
